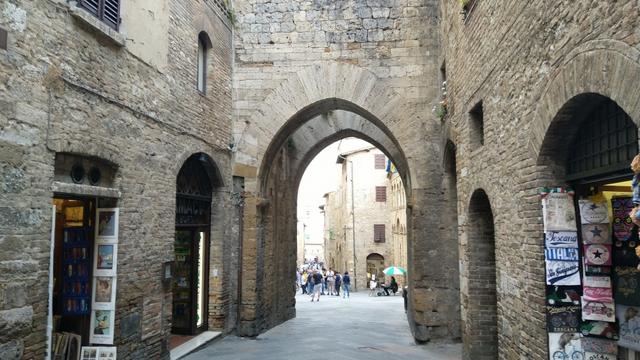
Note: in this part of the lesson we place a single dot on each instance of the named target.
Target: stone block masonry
(68, 89)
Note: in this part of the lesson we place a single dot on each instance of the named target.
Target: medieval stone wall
(67, 87)
(523, 60)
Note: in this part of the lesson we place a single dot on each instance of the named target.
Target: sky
(321, 177)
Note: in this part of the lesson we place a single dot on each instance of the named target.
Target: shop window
(379, 161)
(378, 233)
(476, 125)
(381, 193)
(108, 11)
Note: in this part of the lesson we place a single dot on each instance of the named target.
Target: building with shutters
(115, 175)
(361, 201)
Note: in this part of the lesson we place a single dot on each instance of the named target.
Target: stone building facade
(368, 211)
(79, 94)
(398, 220)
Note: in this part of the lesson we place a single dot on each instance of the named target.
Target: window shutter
(378, 233)
(92, 6)
(381, 193)
(111, 13)
(379, 161)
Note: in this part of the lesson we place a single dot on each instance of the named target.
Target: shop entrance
(375, 267)
(190, 278)
(604, 298)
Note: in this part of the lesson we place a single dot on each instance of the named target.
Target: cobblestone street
(360, 327)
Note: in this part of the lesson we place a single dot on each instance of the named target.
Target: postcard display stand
(75, 275)
(104, 282)
(581, 311)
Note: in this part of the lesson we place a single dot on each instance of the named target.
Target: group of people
(315, 282)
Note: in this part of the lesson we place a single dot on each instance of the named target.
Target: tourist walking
(331, 282)
(373, 284)
(346, 284)
(317, 288)
(309, 283)
(338, 283)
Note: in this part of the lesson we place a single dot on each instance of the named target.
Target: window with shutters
(108, 11)
(379, 161)
(381, 193)
(378, 233)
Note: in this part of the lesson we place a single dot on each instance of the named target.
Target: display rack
(76, 294)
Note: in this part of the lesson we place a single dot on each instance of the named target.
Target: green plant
(464, 3)
(441, 110)
(231, 15)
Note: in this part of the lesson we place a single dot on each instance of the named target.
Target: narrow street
(360, 327)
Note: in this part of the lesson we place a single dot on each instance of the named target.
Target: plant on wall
(441, 110)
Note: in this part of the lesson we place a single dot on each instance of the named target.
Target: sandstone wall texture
(523, 60)
(68, 87)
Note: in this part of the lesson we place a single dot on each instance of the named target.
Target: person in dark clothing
(338, 283)
(393, 286)
(346, 284)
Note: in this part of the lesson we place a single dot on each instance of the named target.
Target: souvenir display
(597, 254)
(629, 320)
(558, 211)
(565, 345)
(75, 275)
(594, 270)
(563, 272)
(627, 290)
(563, 318)
(563, 295)
(596, 234)
(599, 345)
(597, 294)
(598, 310)
(596, 356)
(560, 239)
(622, 223)
(561, 254)
(593, 213)
(600, 329)
(597, 281)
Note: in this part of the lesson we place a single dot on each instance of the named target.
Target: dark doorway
(193, 222)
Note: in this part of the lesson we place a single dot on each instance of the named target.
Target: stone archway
(310, 109)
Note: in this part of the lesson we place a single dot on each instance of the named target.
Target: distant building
(362, 200)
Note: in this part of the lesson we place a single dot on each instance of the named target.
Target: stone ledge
(94, 23)
(79, 189)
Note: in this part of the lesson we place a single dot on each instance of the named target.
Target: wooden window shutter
(378, 233)
(379, 161)
(108, 11)
(381, 193)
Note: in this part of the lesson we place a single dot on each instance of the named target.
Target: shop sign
(561, 254)
(597, 281)
(627, 290)
(598, 294)
(563, 272)
(561, 239)
(598, 310)
(629, 319)
(565, 345)
(596, 234)
(597, 254)
(593, 213)
(595, 356)
(563, 318)
(601, 346)
(558, 212)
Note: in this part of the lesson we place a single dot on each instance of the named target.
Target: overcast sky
(320, 178)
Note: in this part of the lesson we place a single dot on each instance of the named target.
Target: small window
(381, 193)
(476, 119)
(378, 233)
(204, 44)
(108, 11)
(379, 161)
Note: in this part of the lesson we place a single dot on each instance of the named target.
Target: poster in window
(627, 289)
(561, 239)
(558, 212)
(597, 254)
(565, 345)
(104, 292)
(107, 224)
(562, 272)
(629, 320)
(105, 259)
(596, 234)
(102, 322)
(593, 213)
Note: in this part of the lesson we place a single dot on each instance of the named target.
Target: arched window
(204, 44)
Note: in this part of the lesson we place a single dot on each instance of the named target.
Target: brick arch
(479, 295)
(606, 67)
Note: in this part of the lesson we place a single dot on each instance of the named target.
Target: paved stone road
(361, 327)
